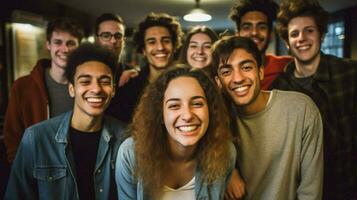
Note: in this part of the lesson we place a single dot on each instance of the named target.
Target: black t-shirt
(84, 148)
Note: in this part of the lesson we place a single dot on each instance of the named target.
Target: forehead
(239, 55)
(302, 22)
(111, 25)
(254, 16)
(93, 68)
(198, 37)
(157, 31)
(62, 35)
(182, 87)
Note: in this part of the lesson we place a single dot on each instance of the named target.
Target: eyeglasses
(107, 36)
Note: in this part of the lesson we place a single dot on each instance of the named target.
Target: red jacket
(28, 104)
(274, 66)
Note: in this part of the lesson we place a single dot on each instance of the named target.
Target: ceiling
(133, 11)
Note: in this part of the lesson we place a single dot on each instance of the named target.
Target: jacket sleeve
(13, 124)
(124, 171)
(21, 183)
(311, 169)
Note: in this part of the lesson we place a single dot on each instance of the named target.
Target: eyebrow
(226, 65)
(192, 98)
(90, 76)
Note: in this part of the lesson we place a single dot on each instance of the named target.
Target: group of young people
(85, 126)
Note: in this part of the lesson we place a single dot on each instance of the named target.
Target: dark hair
(268, 7)
(106, 17)
(301, 8)
(65, 25)
(224, 47)
(194, 30)
(158, 19)
(151, 138)
(89, 52)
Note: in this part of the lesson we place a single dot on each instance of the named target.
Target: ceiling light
(197, 14)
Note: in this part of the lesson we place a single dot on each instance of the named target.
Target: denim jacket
(44, 166)
(129, 188)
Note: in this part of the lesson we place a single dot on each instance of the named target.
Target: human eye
(198, 103)
(173, 106)
(246, 27)
(150, 42)
(118, 36)
(167, 40)
(84, 81)
(263, 26)
(106, 81)
(105, 35)
(294, 34)
(193, 46)
(225, 71)
(71, 43)
(57, 42)
(310, 30)
(247, 67)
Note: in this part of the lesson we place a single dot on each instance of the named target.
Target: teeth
(94, 99)
(160, 55)
(199, 59)
(187, 128)
(241, 88)
(303, 47)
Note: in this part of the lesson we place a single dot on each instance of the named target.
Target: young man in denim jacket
(73, 155)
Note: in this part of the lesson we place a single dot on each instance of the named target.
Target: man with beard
(254, 19)
(157, 37)
(331, 82)
(44, 93)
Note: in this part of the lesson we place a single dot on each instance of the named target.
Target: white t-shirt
(186, 192)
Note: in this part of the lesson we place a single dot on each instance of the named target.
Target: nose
(238, 76)
(302, 36)
(113, 40)
(200, 50)
(96, 87)
(186, 114)
(64, 48)
(159, 45)
(254, 30)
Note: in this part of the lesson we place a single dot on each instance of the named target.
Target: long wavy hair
(151, 137)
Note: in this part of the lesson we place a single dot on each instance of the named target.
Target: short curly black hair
(268, 7)
(89, 52)
(158, 19)
(301, 8)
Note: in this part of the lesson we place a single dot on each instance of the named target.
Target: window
(334, 39)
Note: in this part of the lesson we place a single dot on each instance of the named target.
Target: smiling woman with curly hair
(181, 145)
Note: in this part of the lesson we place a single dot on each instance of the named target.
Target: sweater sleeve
(13, 124)
(310, 187)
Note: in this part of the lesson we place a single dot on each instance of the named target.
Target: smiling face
(254, 24)
(304, 39)
(199, 51)
(60, 45)
(92, 89)
(113, 27)
(158, 47)
(185, 112)
(240, 78)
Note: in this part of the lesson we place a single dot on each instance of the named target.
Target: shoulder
(127, 151)
(295, 100)
(115, 126)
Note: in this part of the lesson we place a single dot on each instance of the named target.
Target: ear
(261, 72)
(218, 82)
(322, 38)
(71, 90)
(286, 44)
(48, 45)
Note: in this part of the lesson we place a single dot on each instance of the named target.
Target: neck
(306, 69)
(257, 105)
(154, 73)
(179, 153)
(86, 124)
(58, 75)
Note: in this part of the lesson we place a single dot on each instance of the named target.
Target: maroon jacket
(28, 104)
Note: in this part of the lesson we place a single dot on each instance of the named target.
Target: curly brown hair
(290, 9)
(151, 138)
(158, 19)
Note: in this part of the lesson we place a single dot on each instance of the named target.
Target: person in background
(196, 50)
(43, 93)
(110, 32)
(331, 82)
(180, 125)
(157, 38)
(72, 156)
(254, 19)
(280, 152)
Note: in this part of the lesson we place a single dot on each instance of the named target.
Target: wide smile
(188, 130)
(199, 59)
(95, 101)
(304, 47)
(241, 90)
